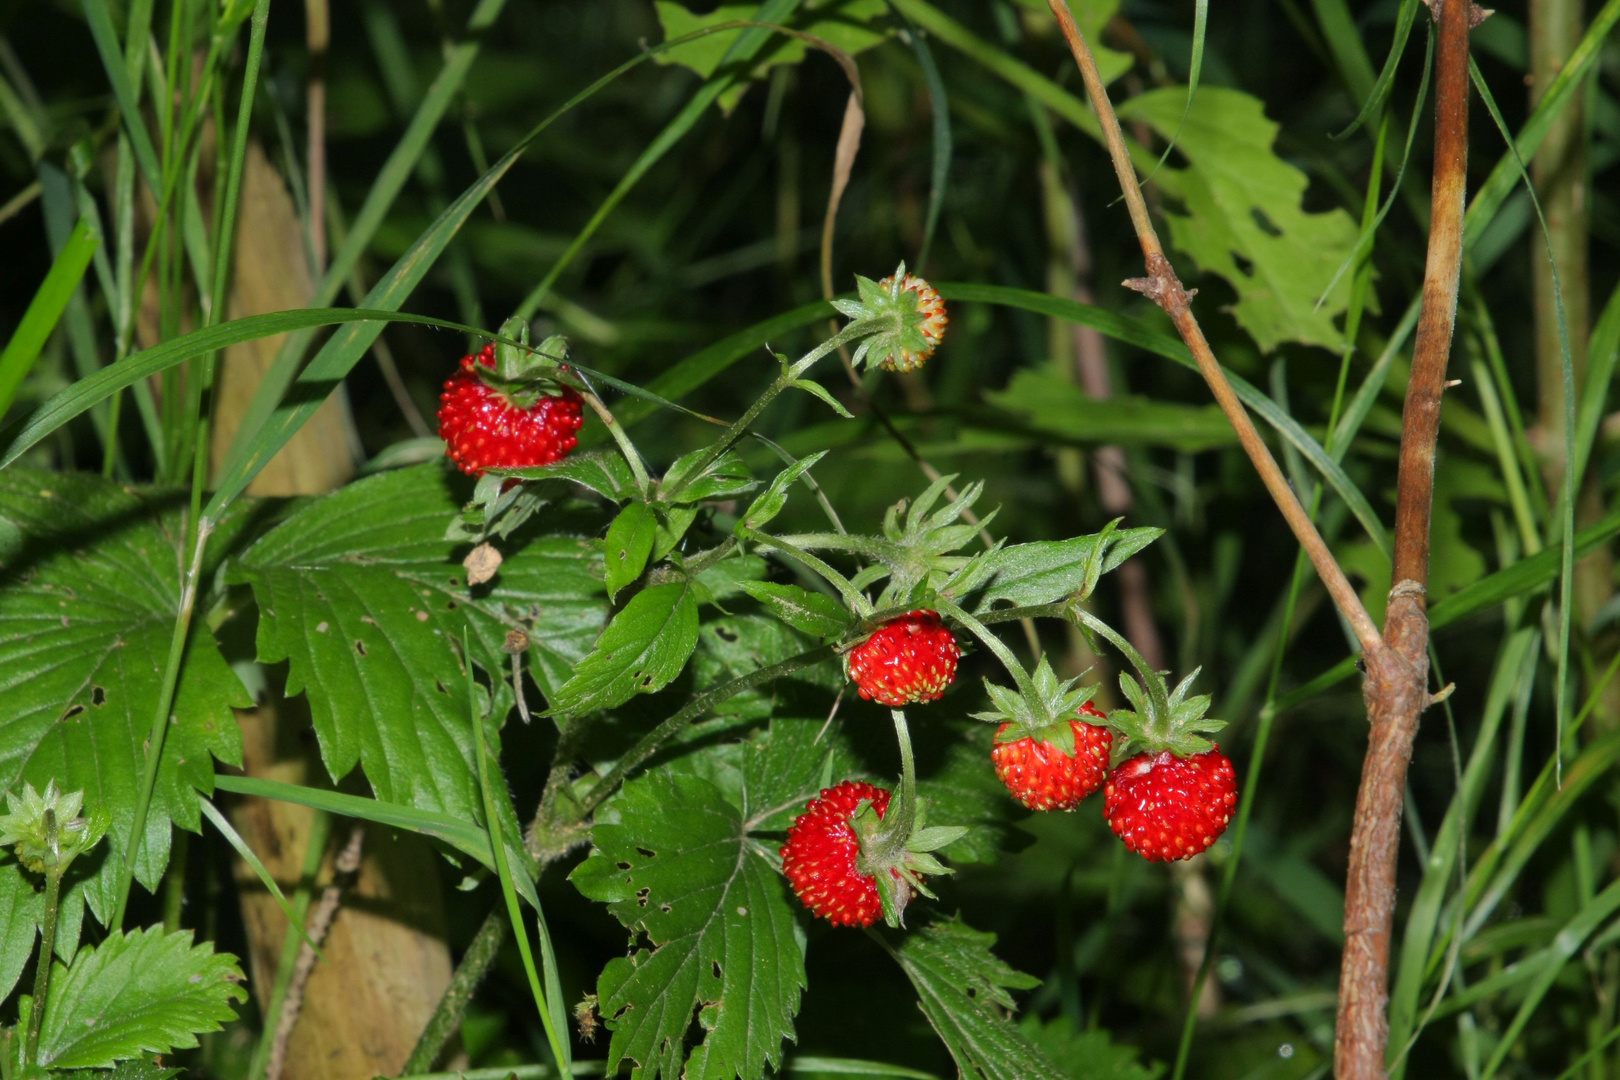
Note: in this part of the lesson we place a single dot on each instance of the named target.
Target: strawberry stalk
(993, 643)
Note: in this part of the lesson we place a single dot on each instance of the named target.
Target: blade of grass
(551, 1015)
(939, 173)
(45, 310)
(1194, 68)
(234, 838)
(1375, 98)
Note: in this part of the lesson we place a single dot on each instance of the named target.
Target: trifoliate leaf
(144, 992)
(91, 574)
(641, 651)
(1245, 218)
(673, 860)
(962, 989)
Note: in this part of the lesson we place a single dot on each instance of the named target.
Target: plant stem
(993, 643)
(1396, 686)
(736, 431)
(1165, 289)
(446, 1020)
(638, 469)
(47, 936)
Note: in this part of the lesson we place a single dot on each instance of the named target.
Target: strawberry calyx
(1160, 719)
(908, 318)
(1042, 712)
(519, 373)
(896, 845)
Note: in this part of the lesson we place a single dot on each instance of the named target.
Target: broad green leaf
(1048, 570)
(816, 614)
(363, 596)
(629, 543)
(641, 651)
(144, 992)
(1085, 1055)
(21, 906)
(841, 24)
(674, 862)
(728, 577)
(603, 471)
(1060, 409)
(89, 592)
(1245, 218)
(962, 989)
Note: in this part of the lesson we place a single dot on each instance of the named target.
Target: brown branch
(318, 34)
(1396, 687)
(1165, 289)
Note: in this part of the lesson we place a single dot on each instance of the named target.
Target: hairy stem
(47, 936)
(446, 1020)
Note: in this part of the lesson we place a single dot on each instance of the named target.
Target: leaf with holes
(962, 988)
(1245, 218)
(89, 591)
(144, 992)
(362, 595)
(641, 651)
(673, 860)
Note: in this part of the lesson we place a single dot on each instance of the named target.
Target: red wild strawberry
(820, 853)
(1054, 775)
(1166, 807)
(485, 428)
(906, 660)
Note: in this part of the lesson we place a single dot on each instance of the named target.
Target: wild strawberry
(906, 660)
(907, 317)
(1055, 774)
(1166, 807)
(820, 854)
(486, 427)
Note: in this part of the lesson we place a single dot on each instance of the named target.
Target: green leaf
(816, 614)
(1058, 408)
(1245, 218)
(673, 861)
(91, 575)
(21, 907)
(603, 471)
(1086, 1055)
(770, 502)
(728, 577)
(144, 992)
(955, 778)
(363, 596)
(629, 543)
(1048, 570)
(641, 651)
(962, 989)
(810, 386)
(841, 24)
(673, 521)
(50, 300)
(726, 475)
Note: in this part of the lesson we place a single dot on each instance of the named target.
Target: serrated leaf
(144, 992)
(673, 860)
(726, 475)
(1245, 218)
(727, 577)
(629, 544)
(1059, 409)
(962, 989)
(603, 471)
(21, 907)
(1048, 570)
(1086, 1055)
(89, 591)
(641, 651)
(362, 595)
(815, 614)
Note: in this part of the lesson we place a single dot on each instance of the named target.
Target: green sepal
(1043, 715)
(1161, 719)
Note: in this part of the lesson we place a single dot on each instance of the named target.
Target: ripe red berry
(1166, 807)
(483, 429)
(906, 660)
(819, 856)
(1046, 775)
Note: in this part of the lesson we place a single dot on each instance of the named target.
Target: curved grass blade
(1200, 24)
(234, 838)
(551, 1016)
(1386, 78)
(941, 108)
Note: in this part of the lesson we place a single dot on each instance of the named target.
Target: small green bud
(46, 830)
